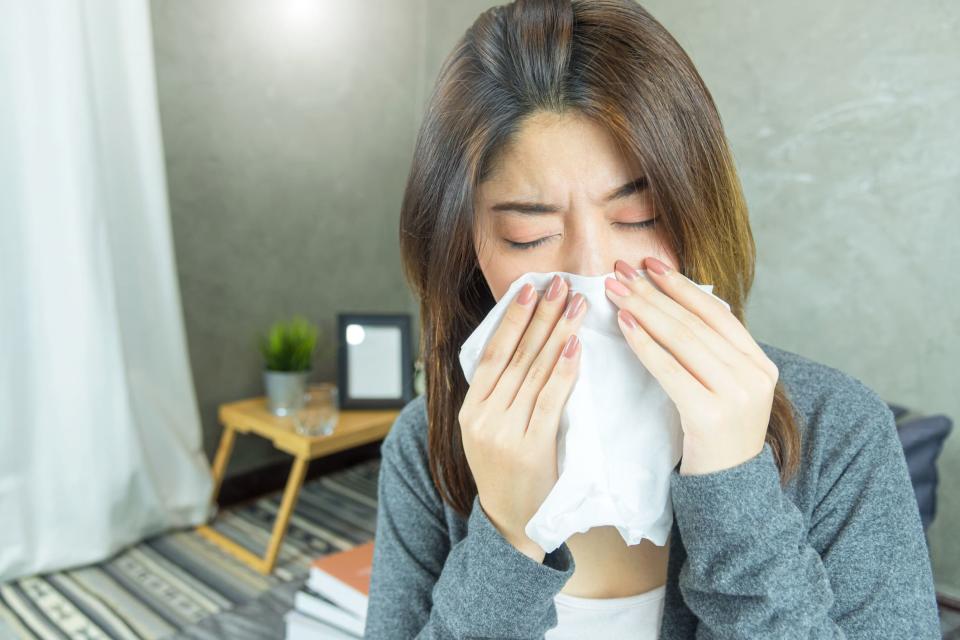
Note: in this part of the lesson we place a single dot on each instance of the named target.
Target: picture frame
(375, 367)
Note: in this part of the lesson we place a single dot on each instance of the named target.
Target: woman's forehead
(552, 152)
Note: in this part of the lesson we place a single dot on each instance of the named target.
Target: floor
(180, 586)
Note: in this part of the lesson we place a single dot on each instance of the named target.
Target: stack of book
(333, 602)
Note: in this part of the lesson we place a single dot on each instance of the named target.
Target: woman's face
(562, 185)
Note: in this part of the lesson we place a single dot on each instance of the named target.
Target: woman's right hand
(511, 412)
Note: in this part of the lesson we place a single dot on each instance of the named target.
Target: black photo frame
(400, 380)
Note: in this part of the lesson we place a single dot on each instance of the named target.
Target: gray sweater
(838, 553)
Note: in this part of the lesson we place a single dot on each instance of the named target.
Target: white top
(635, 617)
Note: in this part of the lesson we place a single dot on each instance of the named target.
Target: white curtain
(99, 429)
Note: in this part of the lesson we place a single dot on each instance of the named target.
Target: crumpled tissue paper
(619, 435)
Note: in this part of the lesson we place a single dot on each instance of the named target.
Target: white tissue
(619, 435)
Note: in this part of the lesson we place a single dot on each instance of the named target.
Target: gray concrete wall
(288, 134)
(286, 161)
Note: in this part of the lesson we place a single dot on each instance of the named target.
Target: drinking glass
(320, 411)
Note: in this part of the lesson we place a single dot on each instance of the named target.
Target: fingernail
(627, 318)
(617, 287)
(656, 266)
(625, 270)
(554, 289)
(526, 294)
(570, 349)
(574, 306)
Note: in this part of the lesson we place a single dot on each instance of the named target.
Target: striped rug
(179, 585)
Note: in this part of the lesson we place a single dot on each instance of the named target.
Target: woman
(578, 137)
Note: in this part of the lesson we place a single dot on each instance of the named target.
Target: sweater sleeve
(859, 569)
(421, 587)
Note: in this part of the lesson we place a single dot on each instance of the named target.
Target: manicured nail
(625, 270)
(617, 287)
(554, 289)
(574, 306)
(526, 294)
(656, 266)
(570, 349)
(627, 318)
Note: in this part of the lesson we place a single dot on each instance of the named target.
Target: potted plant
(287, 351)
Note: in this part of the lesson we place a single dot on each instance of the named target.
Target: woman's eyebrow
(538, 208)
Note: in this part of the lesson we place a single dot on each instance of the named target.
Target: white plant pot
(286, 390)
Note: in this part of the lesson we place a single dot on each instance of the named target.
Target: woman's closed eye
(528, 245)
(631, 226)
(643, 224)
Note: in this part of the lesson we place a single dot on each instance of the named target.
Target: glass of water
(320, 411)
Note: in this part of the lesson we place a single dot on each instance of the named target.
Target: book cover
(344, 577)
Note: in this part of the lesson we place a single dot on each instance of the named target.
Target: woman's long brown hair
(611, 61)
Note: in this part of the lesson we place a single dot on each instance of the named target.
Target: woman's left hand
(717, 375)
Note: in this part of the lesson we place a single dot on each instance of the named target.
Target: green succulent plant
(289, 346)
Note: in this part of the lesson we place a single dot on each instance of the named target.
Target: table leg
(294, 482)
(221, 458)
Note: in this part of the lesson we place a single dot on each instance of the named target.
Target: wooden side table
(354, 428)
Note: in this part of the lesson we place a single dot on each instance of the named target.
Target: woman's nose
(587, 259)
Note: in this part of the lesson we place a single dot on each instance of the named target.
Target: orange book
(344, 577)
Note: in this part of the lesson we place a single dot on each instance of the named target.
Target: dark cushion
(922, 438)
